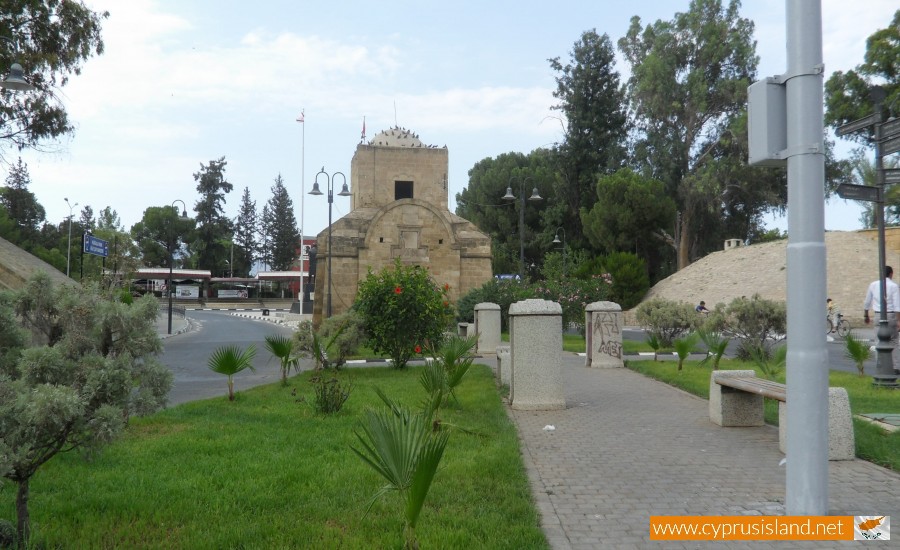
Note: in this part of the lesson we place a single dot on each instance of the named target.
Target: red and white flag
(300, 118)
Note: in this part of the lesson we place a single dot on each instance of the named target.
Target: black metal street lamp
(510, 197)
(183, 216)
(345, 192)
(556, 241)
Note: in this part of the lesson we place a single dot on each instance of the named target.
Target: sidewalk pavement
(627, 447)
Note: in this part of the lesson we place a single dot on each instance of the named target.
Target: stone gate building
(399, 209)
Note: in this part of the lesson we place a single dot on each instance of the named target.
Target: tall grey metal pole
(807, 357)
(522, 233)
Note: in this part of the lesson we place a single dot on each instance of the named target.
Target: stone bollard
(487, 327)
(503, 365)
(536, 355)
(603, 335)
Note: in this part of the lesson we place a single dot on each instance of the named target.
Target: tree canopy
(212, 223)
(284, 237)
(51, 39)
(594, 105)
(688, 87)
(94, 368)
(848, 95)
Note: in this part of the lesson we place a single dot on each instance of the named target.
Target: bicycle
(841, 327)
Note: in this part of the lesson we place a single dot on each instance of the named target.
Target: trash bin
(265, 312)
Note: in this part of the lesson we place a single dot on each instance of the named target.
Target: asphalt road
(187, 355)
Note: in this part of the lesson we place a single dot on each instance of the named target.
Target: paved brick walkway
(627, 447)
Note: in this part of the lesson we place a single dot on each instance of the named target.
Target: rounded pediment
(396, 137)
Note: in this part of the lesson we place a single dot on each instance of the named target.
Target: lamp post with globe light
(345, 192)
(556, 241)
(510, 197)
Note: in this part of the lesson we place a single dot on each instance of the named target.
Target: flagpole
(303, 264)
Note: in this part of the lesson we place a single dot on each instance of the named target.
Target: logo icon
(872, 528)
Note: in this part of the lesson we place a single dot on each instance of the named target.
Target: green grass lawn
(872, 443)
(266, 471)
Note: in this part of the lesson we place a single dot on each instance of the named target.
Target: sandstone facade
(399, 209)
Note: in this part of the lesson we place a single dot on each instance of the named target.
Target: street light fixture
(69, 248)
(16, 79)
(171, 247)
(510, 197)
(345, 192)
(556, 241)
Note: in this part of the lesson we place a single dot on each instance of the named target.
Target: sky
(184, 82)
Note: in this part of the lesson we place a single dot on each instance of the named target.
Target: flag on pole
(300, 118)
(363, 136)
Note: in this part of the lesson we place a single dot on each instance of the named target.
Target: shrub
(402, 308)
(574, 295)
(331, 393)
(465, 306)
(337, 338)
(503, 293)
(667, 319)
(757, 323)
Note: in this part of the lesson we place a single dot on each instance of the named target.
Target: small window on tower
(403, 190)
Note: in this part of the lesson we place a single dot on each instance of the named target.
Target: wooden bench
(736, 399)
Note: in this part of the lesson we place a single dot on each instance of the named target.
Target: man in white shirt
(873, 302)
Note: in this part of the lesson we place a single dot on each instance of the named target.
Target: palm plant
(769, 365)
(402, 447)
(715, 345)
(654, 343)
(450, 364)
(282, 347)
(230, 360)
(858, 351)
(684, 346)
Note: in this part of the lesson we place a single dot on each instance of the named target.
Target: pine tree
(282, 227)
(264, 245)
(245, 236)
(21, 204)
(212, 223)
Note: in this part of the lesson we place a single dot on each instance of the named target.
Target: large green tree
(630, 214)
(212, 223)
(593, 106)
(21, 204)
(688, 87)
(848, 95)
(481, 202)
(75, 391)
(161, 234)
(284, 237)
(245, 238)
(51, 40)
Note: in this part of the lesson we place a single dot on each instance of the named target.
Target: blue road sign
(95, 246)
